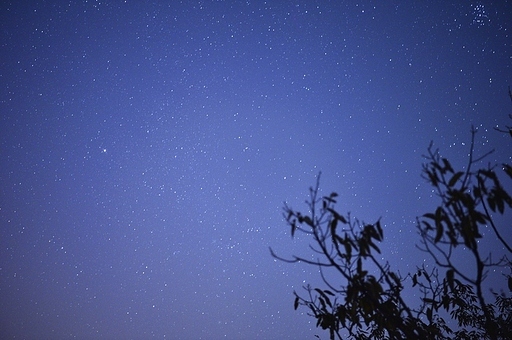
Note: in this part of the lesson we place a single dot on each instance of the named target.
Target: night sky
(147, 148)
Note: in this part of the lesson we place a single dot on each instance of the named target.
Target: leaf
(439, 225)
(429, 301)
(427, 277)
(429, 314)
(374, 246)
(329, 199)
(446, 302)
(334, 224)
(433, 178)
(447, 165)
(296, 303)
(455, 178)
(508, 170)
(477, 192)
(489, 174)
(339, 239)
(499, 203)
(439, 232)
(429, 215)
(394, 277)
(449, 278)
(337, 216)
(492, 203)
(322, 302)
(319, 291)
(375, 286)
(308, 221)
(348, 250)
(379, 230)
(341, 313)
(325, 297)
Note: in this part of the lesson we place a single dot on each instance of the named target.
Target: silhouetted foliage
(367, 302)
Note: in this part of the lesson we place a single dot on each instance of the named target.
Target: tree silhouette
(367, 301)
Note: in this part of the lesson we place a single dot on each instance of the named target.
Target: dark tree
(367, 299)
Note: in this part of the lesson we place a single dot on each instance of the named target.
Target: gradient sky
(147, 148)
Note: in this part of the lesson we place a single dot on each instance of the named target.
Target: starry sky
(147, 148)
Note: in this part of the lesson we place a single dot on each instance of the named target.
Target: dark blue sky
(147, 148)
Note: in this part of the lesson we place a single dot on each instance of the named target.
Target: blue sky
(147, 149)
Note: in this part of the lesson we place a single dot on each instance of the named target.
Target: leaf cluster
(367, 299)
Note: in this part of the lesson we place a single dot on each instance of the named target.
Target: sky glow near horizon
(147, 149)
